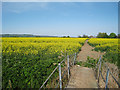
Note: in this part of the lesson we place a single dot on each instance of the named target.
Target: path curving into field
(83, 77)
(86, 51)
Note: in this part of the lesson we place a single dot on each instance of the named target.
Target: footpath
(83, 77)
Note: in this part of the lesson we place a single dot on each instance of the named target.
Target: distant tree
(118, 36)
(112, 35)
(102, 35)
(85, 36)
(68, 36)
(79, 36)
(64, 36)
(91, 36)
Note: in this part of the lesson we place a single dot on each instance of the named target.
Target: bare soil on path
(86, 51)
(83, 77)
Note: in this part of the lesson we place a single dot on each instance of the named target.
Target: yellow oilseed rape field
(27, 62)
(110, 46)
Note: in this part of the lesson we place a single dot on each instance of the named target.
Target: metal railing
(105, 78)
(68, 61)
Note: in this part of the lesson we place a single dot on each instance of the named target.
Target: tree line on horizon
(101, 35)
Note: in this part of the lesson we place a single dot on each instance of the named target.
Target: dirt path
(86, 51)
(83, 77)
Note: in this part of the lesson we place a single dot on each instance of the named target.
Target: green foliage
(27, 62)
(112, 35)
(110, 46)
(79, 36)
(66, 36)
(102, 49)
(118, 60)
(118, 36)
(90, 63)
(85, 36)
(112, 55)
(28, 72)
(102, 35)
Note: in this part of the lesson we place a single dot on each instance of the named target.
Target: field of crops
(27, 62)
(110, 46)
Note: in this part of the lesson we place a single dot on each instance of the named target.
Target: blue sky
(59, 18)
